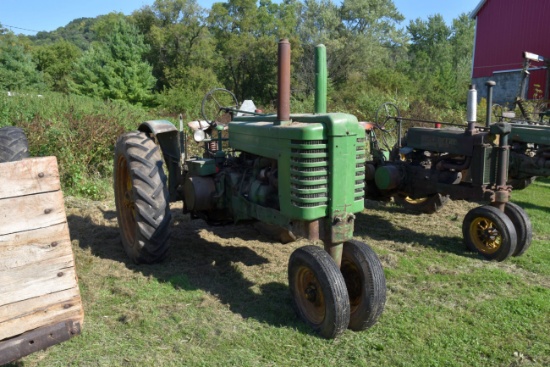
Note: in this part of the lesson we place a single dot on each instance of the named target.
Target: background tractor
(302, 173)
(530, 137)
(427, 166)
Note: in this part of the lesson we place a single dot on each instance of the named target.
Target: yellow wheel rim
(485, 235)
(310, 297)
(415, 201)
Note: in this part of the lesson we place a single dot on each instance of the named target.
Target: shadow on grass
(379, 228)
(194, 263)
(525, 205)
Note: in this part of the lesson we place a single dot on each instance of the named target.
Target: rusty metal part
(283, 103)
(335, 251)
(35, 340)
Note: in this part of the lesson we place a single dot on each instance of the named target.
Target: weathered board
(38, 283)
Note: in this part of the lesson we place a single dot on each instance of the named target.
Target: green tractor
(302, 173)
(530, 137)
(428, 165)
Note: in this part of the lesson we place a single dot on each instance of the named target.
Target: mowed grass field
(222, 298)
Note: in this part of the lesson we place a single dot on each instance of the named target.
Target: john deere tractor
(302, 173)
(428, 165)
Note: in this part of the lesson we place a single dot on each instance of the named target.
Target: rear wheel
(318, 291)
(521, 183)
(490, 232)
(523, 226)
(13, 144)
(141, 198)
(427, 205)
(366, 284)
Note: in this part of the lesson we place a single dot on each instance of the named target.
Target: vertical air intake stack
(283, 85)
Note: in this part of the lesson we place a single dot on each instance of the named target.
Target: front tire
(523, 226)
(366, 284)
(490, 232)
(13, 144)
(141, 197)
(319, 291)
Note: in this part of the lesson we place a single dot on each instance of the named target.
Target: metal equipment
(303, 173)
(427, 166)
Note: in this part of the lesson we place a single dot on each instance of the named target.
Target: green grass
(221, 298)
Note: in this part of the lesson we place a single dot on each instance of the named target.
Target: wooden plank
(24, 248)
(29, 176)
(37, 279)
(38, 283)
(17, 318)
(31, 212)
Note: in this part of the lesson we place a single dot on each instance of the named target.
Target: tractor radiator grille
(309, 168)
(360, 169)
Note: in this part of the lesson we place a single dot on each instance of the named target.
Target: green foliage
(17, 70)
(79, 131)
(112, 68)
(56, 61)
(78, 32)
(440, 59)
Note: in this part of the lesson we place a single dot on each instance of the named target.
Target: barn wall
(504, 29)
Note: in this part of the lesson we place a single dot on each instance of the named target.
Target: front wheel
(366, 284)
(523, 226)
(318, 291)
(141, 197)
(490, 232)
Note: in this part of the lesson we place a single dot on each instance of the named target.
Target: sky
(31, 16)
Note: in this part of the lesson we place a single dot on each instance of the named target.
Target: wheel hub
(485, 236)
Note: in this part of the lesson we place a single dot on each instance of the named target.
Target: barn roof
(473, 14)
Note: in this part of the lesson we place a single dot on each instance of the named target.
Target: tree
(17, 70)
(246, 36)
(181, 44)
(440, 58)
(113, 68)
(56, 61)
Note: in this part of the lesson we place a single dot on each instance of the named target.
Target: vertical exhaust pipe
(320, 79)
(283, 83)
(490, 84)
(471, 109)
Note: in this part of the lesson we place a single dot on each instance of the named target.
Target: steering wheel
(218, 105)
(386, 119)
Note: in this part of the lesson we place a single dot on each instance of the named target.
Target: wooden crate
(40, 301)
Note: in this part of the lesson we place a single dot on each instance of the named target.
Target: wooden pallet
(40, 302)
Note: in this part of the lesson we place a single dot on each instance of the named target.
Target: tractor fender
(166, 136)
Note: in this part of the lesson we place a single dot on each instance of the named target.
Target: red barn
(504, 30)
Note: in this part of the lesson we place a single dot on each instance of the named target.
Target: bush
(79, 131)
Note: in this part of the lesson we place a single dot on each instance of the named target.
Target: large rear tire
(141, 197)
(13, 144)
(318, 291)
(490, 232)
(366, 284)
